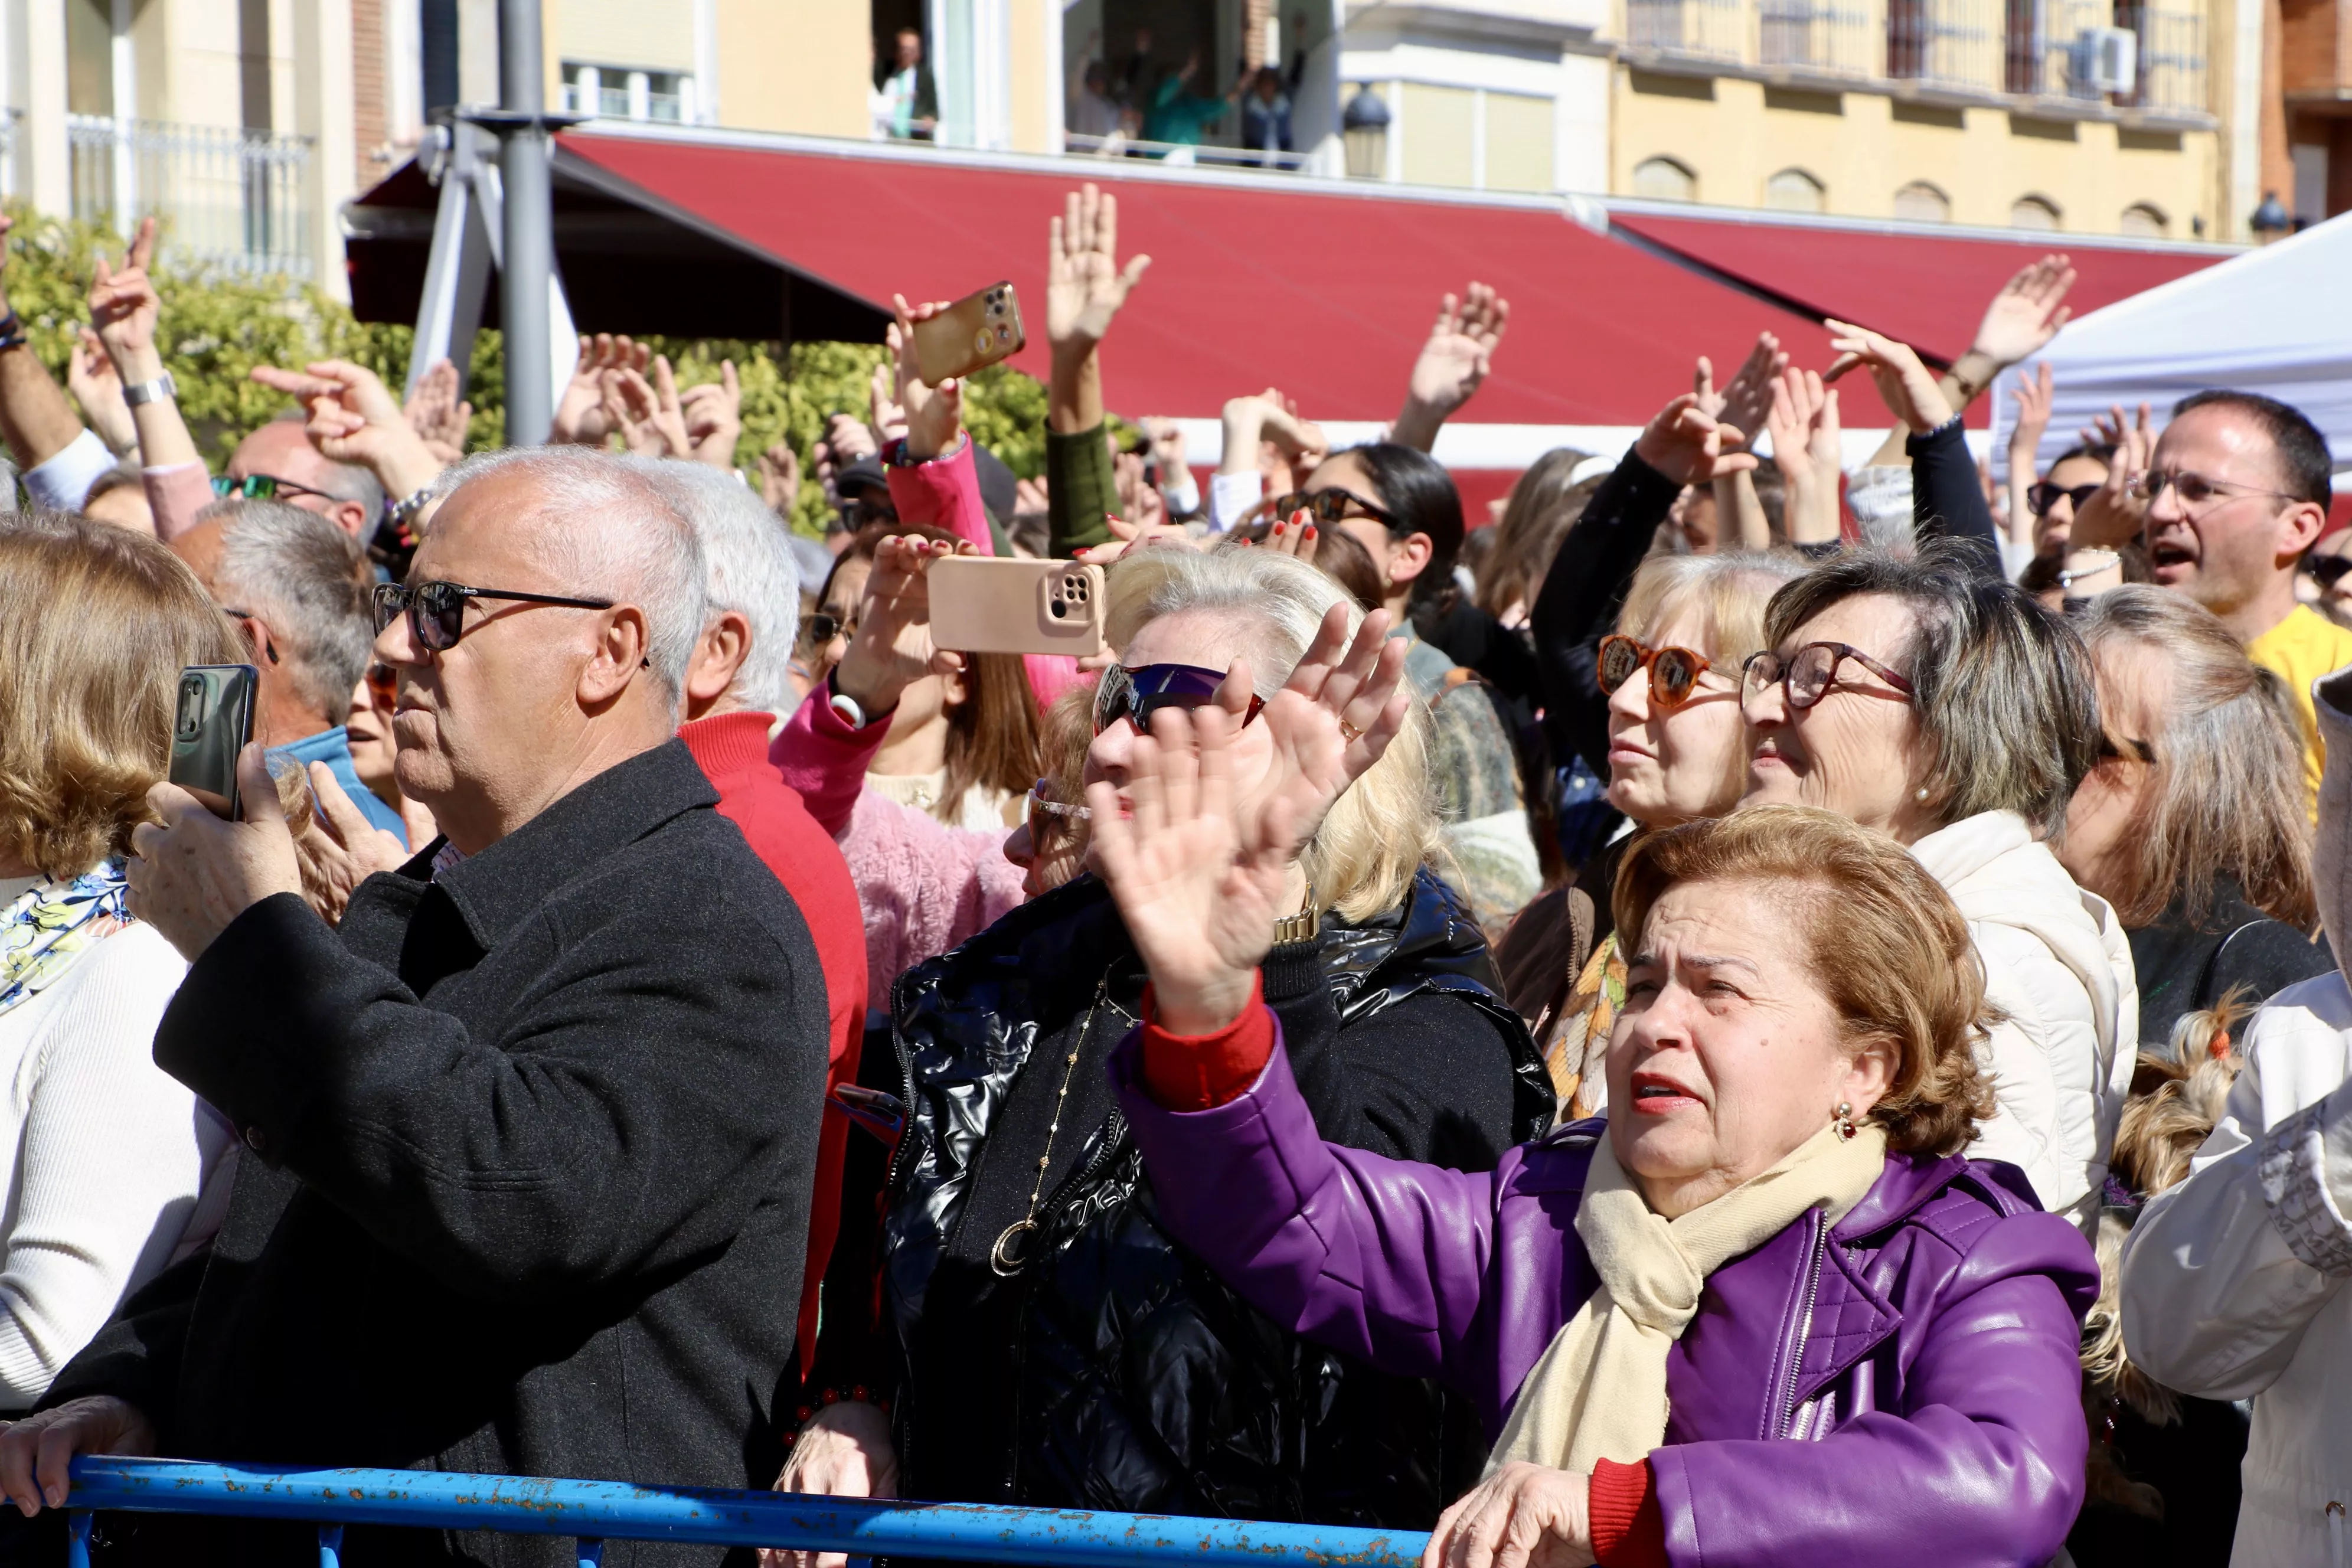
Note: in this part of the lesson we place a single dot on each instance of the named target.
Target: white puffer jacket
(2233, 1282)
(2057, 963)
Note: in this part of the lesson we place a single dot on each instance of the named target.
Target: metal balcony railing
(1119, 145)
(2028, 49)
(592, 1513)
(229, 198)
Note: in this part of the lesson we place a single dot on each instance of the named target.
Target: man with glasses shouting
(529, 1138)
(2235, 493)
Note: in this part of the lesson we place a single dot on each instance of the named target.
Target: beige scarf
(1599, 1390)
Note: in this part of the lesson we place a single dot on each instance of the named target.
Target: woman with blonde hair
(1677, 753)
(107, 1163)
(2193, 824)
(1044, 1342)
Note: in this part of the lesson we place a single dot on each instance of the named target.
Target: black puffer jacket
(1113, 1371)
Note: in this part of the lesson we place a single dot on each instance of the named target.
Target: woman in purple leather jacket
(1764, 1313)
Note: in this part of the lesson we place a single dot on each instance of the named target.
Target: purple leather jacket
(1922, 1354)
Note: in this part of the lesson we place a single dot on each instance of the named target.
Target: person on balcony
(529, 1138)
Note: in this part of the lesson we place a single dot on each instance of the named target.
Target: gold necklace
(1003, 1257)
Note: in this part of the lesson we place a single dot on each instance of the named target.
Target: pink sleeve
(175, 494)
(820, 755)
(923, 888)
(943, 491)
(1050, 674)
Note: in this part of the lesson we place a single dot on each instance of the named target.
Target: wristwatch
(142, 392)
(1302, 926)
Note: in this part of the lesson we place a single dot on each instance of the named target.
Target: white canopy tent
(2276, 320)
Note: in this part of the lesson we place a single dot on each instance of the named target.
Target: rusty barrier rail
(593, 1513)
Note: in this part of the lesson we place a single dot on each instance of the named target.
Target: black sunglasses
(1331, 505)
(2043, 495)
(818, 629)
(2328, 569)
(437, 611)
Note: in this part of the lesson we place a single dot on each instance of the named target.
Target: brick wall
(371, 130)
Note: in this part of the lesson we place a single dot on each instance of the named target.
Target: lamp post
(2270, 220)
(1364, 127)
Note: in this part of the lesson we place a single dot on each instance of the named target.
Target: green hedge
(216, 326)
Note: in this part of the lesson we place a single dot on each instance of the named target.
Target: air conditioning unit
(2107, 59)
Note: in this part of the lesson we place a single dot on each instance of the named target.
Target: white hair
(748, 567)
(608, 532)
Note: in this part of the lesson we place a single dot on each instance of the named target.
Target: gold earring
(1844, 1117)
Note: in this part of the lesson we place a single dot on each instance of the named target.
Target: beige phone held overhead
(977, 331)
(997, 603)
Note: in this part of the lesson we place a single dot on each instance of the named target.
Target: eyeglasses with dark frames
(437, 611)
(1810, 674)
(1139, 693)
(2328, 569)
(1673, 672)
(1329, 506)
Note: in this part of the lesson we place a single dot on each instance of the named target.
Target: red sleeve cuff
(1628, 1530)
(1201, 1072)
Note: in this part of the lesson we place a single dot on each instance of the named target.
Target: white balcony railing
(228, 198)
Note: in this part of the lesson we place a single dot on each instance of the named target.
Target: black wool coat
(526, 1180)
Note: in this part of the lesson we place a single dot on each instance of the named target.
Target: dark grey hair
(300, 573)
(2003, 688)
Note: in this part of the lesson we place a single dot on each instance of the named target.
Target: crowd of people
(1742, 1013)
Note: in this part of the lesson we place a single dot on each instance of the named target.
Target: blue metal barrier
(596, 1511)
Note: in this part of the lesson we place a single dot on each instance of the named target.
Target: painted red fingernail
(1311, 530)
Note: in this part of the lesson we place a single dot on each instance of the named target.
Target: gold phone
(978, 330)
(1000, 604)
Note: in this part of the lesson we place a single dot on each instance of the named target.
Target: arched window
(2145, 220)
(1920, 201)
(1664, 180)
(1795, 191)
(2033, 212)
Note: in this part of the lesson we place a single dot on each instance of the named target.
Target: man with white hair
(737, 685)
(528, 1137)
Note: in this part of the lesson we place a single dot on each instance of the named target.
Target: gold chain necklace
(1005, 1257)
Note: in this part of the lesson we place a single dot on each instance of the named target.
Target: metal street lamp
(1364, 127)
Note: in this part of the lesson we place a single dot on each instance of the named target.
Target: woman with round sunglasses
(1042, 1341)
(1677, 753)
(1948, 710)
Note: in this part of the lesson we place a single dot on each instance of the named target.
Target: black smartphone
(211, 719)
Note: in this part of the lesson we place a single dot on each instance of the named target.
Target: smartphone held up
(986, 603)
(211, 719)
(977, 331)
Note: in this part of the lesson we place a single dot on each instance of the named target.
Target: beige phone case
(976, 330)
(983, 603)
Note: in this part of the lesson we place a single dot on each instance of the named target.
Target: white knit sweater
(103, 1157)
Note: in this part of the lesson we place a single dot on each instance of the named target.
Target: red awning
(1929, 290)
(1319, 289)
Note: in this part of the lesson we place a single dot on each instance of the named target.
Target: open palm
(1084, 286)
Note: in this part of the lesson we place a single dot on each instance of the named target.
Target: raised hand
(648, 414)
(123, 305)
(892, 648)
(2033, 413)
(91, 377)
(1139, 497)
(2116, 514)
(355, 418)
(1909, 388)
(1746, 399)
(1084, 286)
(2026, 314)
(1199, 903)
(1344, 702)
(1452, 363)
(933, 415)
(714, 418)
(582, 414)
(1805, 448)
(1140, 534)
(435, 413)
(780, 477)
(1688, 445)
